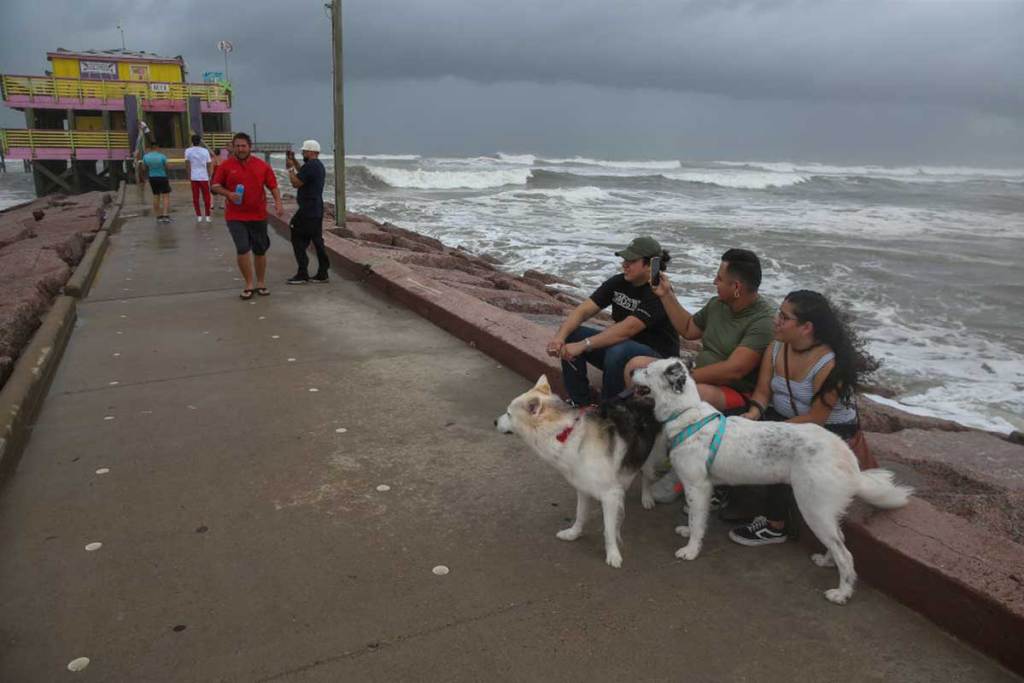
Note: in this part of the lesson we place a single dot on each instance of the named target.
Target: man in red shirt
(246, 212)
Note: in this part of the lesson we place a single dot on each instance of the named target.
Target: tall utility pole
(121, 29)
(339, 117)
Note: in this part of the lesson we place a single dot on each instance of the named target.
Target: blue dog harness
(691, 429)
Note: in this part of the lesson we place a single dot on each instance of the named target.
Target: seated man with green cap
(641, 328)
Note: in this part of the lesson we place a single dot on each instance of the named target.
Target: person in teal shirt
(154, 167)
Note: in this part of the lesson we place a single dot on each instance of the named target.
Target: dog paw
(823, 560)
(647, 500)
(687, 553)
(837, 595)
(570, 534)
(683, 531)
(614, 559)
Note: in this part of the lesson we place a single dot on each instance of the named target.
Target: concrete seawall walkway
(244, 538)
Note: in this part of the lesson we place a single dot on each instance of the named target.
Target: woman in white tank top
(809, 374)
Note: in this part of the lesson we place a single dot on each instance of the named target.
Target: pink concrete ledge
(965, 579)
(962, 577)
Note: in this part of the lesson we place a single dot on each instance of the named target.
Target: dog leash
(691, 429)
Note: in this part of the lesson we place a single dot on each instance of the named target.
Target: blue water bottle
(240, 191)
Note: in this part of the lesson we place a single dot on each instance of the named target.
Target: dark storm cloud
(943, 76)
(963, 53)
(960, 52)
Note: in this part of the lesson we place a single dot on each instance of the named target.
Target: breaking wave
(420, 179)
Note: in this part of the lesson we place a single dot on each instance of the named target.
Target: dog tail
(876, 487)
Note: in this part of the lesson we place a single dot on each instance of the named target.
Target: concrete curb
(22, 396)
(961, 577)
(81, 280)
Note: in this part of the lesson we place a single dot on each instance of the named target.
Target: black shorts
(160, 185)
(249, 236)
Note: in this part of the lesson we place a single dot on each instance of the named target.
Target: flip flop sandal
(263, 291)
(246, 294)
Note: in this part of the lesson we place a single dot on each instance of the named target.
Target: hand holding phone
(655, 270)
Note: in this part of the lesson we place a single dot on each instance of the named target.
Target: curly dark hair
(832, 327)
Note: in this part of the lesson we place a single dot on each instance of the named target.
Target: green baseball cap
(641, 247)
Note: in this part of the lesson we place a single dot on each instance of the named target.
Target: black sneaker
(319, 279)
(298, 279)
(758, 533)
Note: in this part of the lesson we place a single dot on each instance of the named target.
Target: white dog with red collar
(598, 451)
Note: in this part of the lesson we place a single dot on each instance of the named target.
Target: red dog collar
(563, 435)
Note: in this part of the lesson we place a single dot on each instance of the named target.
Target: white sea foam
(382, 157)
(526, 159)
(648, 165)
(573, 195)
(449, 180)
(919, 173)
(741, 180)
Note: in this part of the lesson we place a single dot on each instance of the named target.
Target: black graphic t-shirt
(626, 300)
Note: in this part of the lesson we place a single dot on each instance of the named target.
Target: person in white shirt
(199, 165)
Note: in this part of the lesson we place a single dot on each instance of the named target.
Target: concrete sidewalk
(244, 537)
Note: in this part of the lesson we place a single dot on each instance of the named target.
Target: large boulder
(972, 474)
(875, 417)
(545, 278)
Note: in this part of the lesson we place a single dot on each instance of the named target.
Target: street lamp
(225, 46)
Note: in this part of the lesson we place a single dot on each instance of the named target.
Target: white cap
(310, 146)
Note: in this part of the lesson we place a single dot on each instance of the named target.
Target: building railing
(80, 89)
(34, 138)
(214, 140)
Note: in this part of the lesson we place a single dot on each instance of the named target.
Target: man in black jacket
(307, 223)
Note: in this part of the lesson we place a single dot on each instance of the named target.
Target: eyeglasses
(785, 318)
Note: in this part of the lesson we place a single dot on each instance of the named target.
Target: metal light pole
(339, 117)
(121, 29)
(225, 46)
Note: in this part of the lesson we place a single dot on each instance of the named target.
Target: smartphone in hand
(655, 270)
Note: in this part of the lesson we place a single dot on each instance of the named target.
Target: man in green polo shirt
(735, 326)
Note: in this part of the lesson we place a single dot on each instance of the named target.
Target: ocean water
(929, 259)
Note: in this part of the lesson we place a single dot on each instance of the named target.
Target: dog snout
(503, 424)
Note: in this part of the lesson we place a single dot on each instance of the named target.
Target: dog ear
(533, 406)
(676, 375)
(542, 385)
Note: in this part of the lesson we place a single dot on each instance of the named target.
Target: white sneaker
(199, 219)
(207, 218)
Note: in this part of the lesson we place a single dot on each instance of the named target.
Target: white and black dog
(818, 465)
(598, 451)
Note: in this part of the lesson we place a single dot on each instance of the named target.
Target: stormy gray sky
(844, 81)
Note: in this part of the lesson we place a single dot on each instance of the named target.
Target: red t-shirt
(254, 174)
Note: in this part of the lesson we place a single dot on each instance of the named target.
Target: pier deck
(244, 538)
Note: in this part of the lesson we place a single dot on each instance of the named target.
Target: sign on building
(213, 76)
(160, 87)
(97, 71)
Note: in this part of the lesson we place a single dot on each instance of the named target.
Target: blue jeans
(612, 360)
